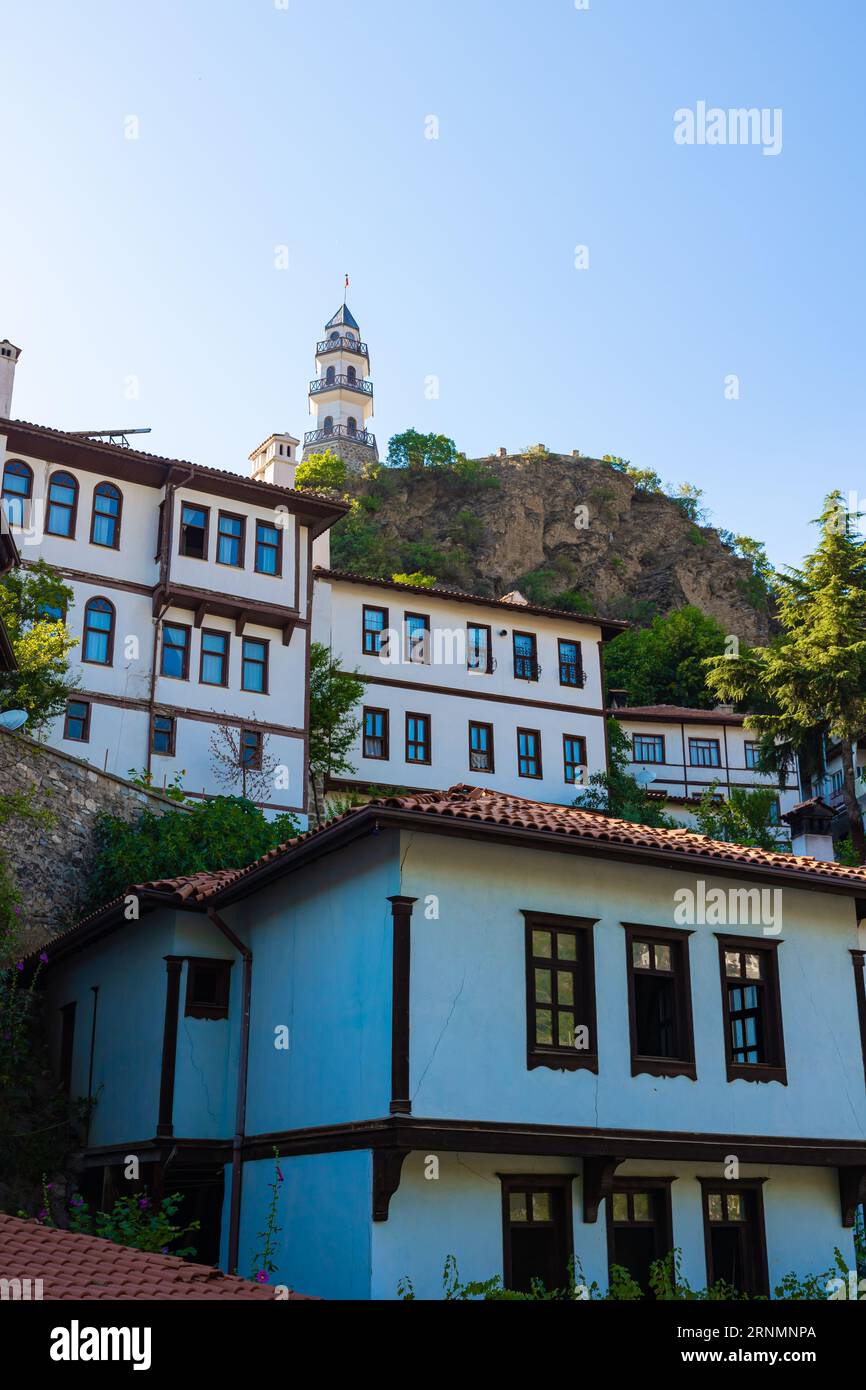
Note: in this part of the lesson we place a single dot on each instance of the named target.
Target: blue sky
(304, 126)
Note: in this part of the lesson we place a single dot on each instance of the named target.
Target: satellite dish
(644, 777)
(13, 719)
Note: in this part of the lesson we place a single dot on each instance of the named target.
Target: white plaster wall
(227, 579)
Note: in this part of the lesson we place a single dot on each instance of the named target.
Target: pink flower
(262, 1277)
(43, 956)
(279, 1176)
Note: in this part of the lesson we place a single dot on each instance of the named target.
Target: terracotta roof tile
(73, 1266)
(677, 714)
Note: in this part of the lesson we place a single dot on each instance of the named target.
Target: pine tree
(814, 673)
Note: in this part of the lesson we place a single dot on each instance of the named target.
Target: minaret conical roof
(344, 318)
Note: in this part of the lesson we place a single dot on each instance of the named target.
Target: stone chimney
(9, 355)
(617, 699)
(515, 597)
(274, 461)
(810, 823)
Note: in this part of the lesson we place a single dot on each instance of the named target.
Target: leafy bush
(41, 643)
(135, 1221)
(467, 530)
(663, 663)
(423, 581)
(325, 470)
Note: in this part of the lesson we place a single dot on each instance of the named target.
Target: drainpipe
(241, 1106)
(95, 989)
(164, 573)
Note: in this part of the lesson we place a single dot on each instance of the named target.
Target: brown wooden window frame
(563, 1185)
(532, 658)
(678, 941)
(694, 741)
(580, 676)
(654, 738)
(106, 489)
(85, 733)
(110, 631)
(479, 724)
(751, 750)
(488, 667)
(377, 632)
(226, 656)
(561, 1057)
(386, 749)
(17, 468)
(424, 658)
(241, 540)
(771, 1014)
(265, 665)
(537, 776)
(567, 763)
(426, 742)
(172, 736)
(71, 508)
(754, 1188)
(181, 627)
(254, 764)
(181, 539)
(197, 1008)
(662, 1223)
(277, 549)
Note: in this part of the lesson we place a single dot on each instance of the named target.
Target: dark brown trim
(106, 482)
(401, 935)
(181, 539)
(226, 657)
(536, 1182)
(379, 632)
(575, 738)
(386, 735)
(678, 940)
(648, 762)
(85, 737)
(165, 1126)
(172, 736)
(185, 627)
(700, 738)
(598, 1178)
(754, 1186)
(387, 1167)
(241, 539)
(774, 1038)
(852, 1192)
(533, 657)
(858, 960)
(678, 716)
(556, 1057)
(428, 740)
(663, 1225)
(481, 627)
(581, 673)
(265, 665)
(425, 642)
(482, 771)
(531, 776)
(85, 660)
(182, 712)
(73, 510)
(103, 581)
(219, 1009)
(469, 694)
(280, 546)
(207, 602)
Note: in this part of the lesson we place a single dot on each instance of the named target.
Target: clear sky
(261, 126)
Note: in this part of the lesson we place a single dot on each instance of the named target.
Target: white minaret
(341, 395)
(9, 355)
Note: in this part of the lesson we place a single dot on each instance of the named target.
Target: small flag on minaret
(346, 286)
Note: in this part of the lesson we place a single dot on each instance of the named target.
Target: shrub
(325, 470)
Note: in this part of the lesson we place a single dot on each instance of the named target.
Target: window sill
(757, 1071)
(663, 1066)
(563, 1061)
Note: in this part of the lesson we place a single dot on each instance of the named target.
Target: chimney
(810, 823)
(515, 597)
(274, 461)
(9, 355)
(503, 453)
(617, 699)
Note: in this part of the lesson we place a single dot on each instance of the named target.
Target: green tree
(665, 662)
(814, 673)
(687, 497)
(413, 450)
(745, 818)
(325, 470)
(422, 580)
(617, 793)
(41, 643)
(334, 697)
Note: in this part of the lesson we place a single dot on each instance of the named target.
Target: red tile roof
(677, 714)
(73, 1266)
(477, 808)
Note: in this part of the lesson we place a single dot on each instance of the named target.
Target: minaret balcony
(340, 381)
(341, 345)
(340, 432)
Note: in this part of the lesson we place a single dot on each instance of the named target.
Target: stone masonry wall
(51, 864)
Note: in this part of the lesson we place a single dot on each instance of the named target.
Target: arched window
(105, 522)
(351, 374)
(98, 632)
(350, 335)
(62, 505)
(352, 424)
(330, 374)
(329, 424)
(334, 336)
(17, 490)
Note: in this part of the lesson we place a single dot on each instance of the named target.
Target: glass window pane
(663, 957)
(517, 1206)
(542, 986)
(566, 1029)
(751, 997)
(620, 1206)
(544, 1027)
(640, 955)
(641, 1206)
(735, 1206)
(541, 1206)
(753, 966)
(566, 946)
(714, 1205)
(564, 987)
(732, 963)
(541, 943)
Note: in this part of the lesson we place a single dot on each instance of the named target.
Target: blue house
(477, 1025)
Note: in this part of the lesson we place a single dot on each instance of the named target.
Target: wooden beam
(852, 1190)
(598, 1175)
(387, 1167)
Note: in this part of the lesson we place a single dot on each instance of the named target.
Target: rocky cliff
(568, 531)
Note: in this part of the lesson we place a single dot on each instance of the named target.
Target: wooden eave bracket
(598, 1175)
(852, 1190)
(387, 1167)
